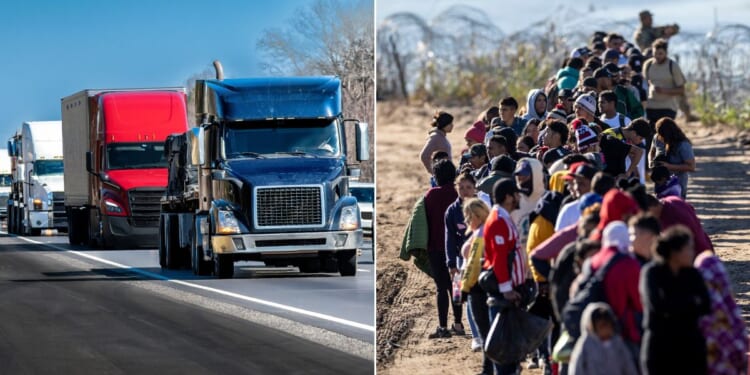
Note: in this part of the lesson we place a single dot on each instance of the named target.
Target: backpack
(591, 290)
(617, 133)
(647, 68)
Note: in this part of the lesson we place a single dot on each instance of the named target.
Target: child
(601, 350)
(664, 183)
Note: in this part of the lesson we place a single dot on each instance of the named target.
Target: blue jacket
(455, 234)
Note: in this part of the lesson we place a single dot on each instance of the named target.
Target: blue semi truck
(264, 177)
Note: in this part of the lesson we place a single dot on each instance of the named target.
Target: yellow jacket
(541, 229)
(472, 264)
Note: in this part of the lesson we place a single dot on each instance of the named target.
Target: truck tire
(347, 262)
(12, 220)
(171, 238)
(162, 249)
(223, 266)
(200, 267)
(35, 231)
(73, 237)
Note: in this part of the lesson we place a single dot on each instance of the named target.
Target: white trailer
(5, 182)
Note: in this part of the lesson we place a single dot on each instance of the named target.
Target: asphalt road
(73, 310)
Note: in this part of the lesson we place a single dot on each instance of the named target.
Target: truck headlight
(50, 199)
(113, 208)
(227, 223)
(349, 218)
(37, 204)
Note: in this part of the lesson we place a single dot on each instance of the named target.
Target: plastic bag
(515, 333)
(563, 348)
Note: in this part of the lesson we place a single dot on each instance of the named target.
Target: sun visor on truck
(265, 98)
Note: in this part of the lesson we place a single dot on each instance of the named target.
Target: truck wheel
(347, 262)
(200, 266)
(223, 266)
(36, 231)
(171, 240)
(162, 250)
(73, 237)
(11, 220)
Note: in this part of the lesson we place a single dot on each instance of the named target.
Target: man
(666, 84)
(584, 53)
(673, 210)
(565, 100)
(608, 108)
(500, 167)
(477, 160)
(615, 152)
(555, 138)
(497, 145)
(646, 34)
(636, 133)
(502, 252)
(644, 231)
(627, 103)
(508, 118)
(585, 108)
(580, 175)
(536, 105)
(567, 78)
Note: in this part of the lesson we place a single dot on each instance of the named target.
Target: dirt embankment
(406, 312)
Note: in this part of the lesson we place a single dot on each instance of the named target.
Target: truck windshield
(48, 167)
(5, 180)
(316, 137)
(136, 155)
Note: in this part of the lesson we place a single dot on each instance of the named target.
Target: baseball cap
(610, 53)
(589, 82)
(589, 199)
(641, 128)
(523, 168)
(571, 170)
(565, 93)
(578, 52)
(636, 62)
(645, 13)
(583, 170)
(602, 73)
(497, 121)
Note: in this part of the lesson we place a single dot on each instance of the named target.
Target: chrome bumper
(286, 243)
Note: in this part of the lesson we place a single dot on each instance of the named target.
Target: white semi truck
(37, 187)
(5, 181)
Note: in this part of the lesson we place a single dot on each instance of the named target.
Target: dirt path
(406, 314)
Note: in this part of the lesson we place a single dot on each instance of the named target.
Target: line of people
(560, 198)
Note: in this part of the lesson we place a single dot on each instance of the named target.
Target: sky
(52, 49)
(692, 15)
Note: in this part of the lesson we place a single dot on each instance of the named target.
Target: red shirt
(621, 290)
(500, 238)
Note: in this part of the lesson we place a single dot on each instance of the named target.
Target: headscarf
(724, 328)
(616, 235)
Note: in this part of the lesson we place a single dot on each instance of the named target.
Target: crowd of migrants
(577, 213)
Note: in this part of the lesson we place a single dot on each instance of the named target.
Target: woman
(456, 236)
(436, 202)
(671, 142)
(674, 298)
(442, 124)
(724, 328)
(475, 213)
(532, 130)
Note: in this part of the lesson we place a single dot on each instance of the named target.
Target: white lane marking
(209, 289)
(361, 270)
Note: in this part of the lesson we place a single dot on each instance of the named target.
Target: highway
(70, 310)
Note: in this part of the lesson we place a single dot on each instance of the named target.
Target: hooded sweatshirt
(529, 202)
(567, 78)
(530, 110)
(615, 205)
(592, 356)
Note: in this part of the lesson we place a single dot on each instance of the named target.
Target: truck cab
(272, 179)
(5, 182)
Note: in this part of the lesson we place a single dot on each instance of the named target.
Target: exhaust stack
(219, 70)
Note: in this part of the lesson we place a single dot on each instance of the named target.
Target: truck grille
(145, 206)
(288, 206)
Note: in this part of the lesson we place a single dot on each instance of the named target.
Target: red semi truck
(115, 165)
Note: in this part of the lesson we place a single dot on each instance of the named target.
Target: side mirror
(363, 142)
(89, 162)
(10, 148)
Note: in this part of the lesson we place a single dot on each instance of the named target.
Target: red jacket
(500, 238)
(676, 211)
(621, 290)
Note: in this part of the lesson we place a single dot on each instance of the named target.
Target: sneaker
(532, 363)
(440, 333)
(458, 329)
(476, 344)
